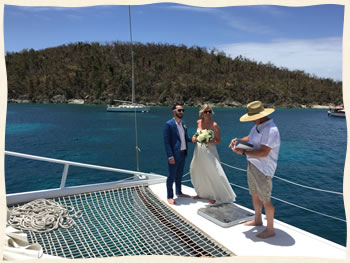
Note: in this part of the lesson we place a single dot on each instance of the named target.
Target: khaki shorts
(259, 183)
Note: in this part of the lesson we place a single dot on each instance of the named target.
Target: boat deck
(241, 240)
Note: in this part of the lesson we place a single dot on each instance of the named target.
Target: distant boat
(129, 106)
(337, 111)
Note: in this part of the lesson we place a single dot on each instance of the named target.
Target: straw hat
(256, 111)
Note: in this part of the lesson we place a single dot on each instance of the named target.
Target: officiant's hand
(237, 150)
(232, 143)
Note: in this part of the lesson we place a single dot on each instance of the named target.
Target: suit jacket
(172, 139)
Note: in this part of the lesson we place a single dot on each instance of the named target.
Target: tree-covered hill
(164, 74)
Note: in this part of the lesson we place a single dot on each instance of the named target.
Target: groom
(175, 141)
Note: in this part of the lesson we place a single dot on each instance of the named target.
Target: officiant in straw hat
(262, 162)
(256, 111)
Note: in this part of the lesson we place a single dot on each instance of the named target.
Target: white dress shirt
(181, 130)
(265, 134)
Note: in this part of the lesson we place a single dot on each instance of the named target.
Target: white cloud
(36, 9)
(272, 10)
(244, 24)
(233, 21)
(44, 12)
(322, 56)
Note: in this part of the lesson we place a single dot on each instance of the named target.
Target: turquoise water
(313, 148)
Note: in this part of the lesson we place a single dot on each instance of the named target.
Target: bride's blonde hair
(204, 106)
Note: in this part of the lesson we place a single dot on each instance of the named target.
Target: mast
(132, 63)
(133, 95)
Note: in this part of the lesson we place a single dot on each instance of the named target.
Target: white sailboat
(129, 106)
(337, 111)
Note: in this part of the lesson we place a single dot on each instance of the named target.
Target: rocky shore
(59, 99)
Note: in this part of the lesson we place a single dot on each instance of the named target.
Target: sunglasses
(208, 111)
(180, 110)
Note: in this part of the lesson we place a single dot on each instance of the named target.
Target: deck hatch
(225, 215)
(124, 222)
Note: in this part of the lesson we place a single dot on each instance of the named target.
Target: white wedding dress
(208, 177)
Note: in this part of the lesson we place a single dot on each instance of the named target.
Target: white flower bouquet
(204, 136)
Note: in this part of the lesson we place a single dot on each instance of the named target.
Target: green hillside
(164, 74)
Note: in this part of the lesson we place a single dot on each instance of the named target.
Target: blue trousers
(176, 172)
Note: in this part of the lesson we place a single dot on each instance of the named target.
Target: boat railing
(287, 181)
(135, 176)
(283, 201)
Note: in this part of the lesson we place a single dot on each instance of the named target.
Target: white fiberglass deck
(241, 240)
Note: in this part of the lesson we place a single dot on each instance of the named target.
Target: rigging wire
(298, 206)
(304, 186)
(301, 185)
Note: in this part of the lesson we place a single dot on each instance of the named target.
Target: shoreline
(214, 105)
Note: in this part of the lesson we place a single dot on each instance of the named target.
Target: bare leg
(269, 230)
(257, 221)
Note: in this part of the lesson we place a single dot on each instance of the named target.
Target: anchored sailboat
(129, 106)
(337, 111)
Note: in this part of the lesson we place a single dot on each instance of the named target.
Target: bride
(207, 176)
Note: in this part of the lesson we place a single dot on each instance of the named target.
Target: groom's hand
(171, 160)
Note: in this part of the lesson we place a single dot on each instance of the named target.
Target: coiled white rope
(42, 215)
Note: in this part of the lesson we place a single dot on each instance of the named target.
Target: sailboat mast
(133, 94)
(132, 63)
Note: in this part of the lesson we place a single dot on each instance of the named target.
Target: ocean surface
(312, 153)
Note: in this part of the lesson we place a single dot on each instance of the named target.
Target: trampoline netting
(124, 222)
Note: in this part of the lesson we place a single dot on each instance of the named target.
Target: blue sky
(297, 38)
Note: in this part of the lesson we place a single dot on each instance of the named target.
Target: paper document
(244, 145)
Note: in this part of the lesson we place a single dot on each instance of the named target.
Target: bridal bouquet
(204, 136)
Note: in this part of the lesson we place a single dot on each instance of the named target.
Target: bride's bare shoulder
(215, 126)
(199, 123)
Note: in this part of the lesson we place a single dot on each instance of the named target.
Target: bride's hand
(233, 142)
(194, 139)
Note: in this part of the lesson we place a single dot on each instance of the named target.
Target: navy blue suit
(172, 144)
